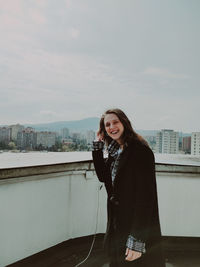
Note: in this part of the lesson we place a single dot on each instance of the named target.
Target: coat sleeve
(145, 206)
(101, 165)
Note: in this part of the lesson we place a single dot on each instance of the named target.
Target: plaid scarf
(114, 151)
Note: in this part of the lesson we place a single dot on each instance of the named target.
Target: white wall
(179, 200)
(41, 213)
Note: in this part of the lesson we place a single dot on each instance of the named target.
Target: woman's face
(113, 126)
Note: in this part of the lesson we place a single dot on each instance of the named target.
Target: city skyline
(18, 137)
(72, 60)
(62, 125)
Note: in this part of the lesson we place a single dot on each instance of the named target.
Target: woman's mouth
(114, 132)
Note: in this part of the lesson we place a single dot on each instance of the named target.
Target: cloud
(41, 3)
(74, 33)
(11, 15)
(63, 60)
(49, 115)
(11, 7)
(165, 73)
(37, 17)
(68, 3)
(47, 112)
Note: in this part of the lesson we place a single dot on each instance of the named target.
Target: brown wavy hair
(128, 135)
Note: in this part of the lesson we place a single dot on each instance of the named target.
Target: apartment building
(26, 139)
(90, 136)
(14, 130)
(167, 141)
(65, 133)
(186, 144)
(46, 139)
(195, 144)
(5, 134)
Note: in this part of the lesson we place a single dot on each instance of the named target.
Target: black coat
(132, 203)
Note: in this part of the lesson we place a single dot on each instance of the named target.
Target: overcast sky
(72, 59)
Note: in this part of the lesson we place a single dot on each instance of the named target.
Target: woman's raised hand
(100, 136)
(132, 255)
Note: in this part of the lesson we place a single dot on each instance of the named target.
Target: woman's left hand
(132, 255)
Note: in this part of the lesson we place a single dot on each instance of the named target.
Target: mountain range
(76, 126)
(83, 126)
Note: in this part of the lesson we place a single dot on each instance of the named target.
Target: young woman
(133, 236)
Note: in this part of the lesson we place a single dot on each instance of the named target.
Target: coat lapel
(108, 184)
(124, 156)
(130, 151)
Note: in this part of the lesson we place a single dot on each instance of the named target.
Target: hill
(78, 125)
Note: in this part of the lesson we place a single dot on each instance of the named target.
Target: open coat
(132, 204)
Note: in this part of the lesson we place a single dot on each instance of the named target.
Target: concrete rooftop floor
(179, 252)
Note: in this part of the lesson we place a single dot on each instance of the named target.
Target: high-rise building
(5, 134)
(46, 139)
(159, 142)
(167, 141)
(65, 133)
(195, 143)
(76, 137)
(186, 144)
(90, 136)
(14, 130)
(26, 139)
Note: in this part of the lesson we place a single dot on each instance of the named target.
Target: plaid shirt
(115, 151)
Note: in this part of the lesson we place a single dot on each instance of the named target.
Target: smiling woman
(133, 235)
(113, 126)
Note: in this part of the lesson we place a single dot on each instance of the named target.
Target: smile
(114, 132)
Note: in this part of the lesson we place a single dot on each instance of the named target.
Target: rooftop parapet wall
(6, 173)
(86, 166)
(42, 206)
